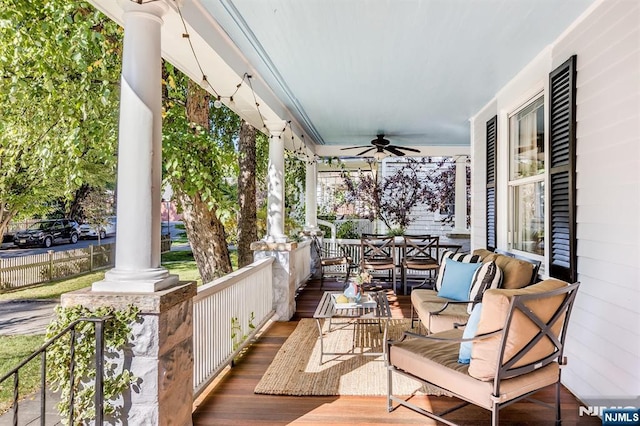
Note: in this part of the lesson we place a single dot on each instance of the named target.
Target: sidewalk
(25, 316)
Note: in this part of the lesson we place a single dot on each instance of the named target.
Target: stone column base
(160, 352)
(284, 275)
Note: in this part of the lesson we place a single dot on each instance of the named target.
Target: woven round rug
(296, 368)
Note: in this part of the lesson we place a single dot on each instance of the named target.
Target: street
(9, 251)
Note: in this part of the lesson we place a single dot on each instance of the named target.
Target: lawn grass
(14, 349)
(54, 289)
(177, 256)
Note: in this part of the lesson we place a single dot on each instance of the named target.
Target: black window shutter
(562, 171)
(492, 139)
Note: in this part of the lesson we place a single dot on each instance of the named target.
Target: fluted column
(275, 197)
(137, 264)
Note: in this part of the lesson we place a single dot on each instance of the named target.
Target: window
(527, 178)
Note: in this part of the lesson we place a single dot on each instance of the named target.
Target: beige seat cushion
(495, 308)
(426, 301)
(437, 363)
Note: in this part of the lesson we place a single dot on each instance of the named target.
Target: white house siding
(603, 343)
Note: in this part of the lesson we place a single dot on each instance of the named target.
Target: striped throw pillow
(458, 257)
(489, 275)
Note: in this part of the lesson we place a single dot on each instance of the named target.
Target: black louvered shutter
(492, 139)
(562, 180)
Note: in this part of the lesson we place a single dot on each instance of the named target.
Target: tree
(294, 179)
(393, 197)
(247, 212)
(59, 72)
(442, 183)
(97, 206)
(196, 160)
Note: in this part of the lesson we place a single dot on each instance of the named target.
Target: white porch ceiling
(343, 71)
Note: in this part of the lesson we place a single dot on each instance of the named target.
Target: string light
(300, 153)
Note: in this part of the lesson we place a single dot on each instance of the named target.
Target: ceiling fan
(380, 144)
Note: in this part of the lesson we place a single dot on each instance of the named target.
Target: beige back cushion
(495, 308)
(516, 273)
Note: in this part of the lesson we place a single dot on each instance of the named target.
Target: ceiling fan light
(379, 155)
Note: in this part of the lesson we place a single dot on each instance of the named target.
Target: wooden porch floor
(232, 401)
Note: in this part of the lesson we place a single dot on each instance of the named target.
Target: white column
(275, 198)
(311, 191)
(137, 265)
(461, 196)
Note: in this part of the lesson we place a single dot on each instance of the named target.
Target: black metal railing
(42, 352)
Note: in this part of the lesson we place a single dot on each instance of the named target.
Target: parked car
(93, 231)
(47, 232)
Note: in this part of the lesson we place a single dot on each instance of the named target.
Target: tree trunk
(207, 237)
(75, 207)
(204, 229)
(247, 215)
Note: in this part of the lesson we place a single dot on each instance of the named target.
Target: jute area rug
(295, 370)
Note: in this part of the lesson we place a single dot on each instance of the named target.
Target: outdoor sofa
(439, 314)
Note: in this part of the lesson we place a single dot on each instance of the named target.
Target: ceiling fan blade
(366, 150)
(395, 151)
(352, 147)
(406, 148)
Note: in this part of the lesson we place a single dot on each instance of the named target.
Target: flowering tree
(442, 182)
(392, 198)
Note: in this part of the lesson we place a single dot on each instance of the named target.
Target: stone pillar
(275, 177)
(160, 353)
(461, 196)
(311, 197)
(137, 266)
(284, 275)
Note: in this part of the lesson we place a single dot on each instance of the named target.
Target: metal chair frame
(328, 258)
(378, 253)
(420, 253)
(505, 369)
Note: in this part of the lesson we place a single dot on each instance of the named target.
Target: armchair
(517, 350)
(440, 314)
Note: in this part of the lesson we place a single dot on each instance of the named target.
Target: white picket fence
(24, 271)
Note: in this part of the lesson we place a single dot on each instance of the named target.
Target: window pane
(527, 141)
(529, 218)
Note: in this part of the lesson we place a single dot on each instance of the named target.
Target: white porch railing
(302, 259)
(227, 313)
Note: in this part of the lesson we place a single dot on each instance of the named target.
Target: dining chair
(333, 259)
(378, 253)
(420, 254)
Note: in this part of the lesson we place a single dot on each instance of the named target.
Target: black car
(46, 232)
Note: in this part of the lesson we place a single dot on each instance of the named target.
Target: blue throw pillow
(469, 332)
(457, 279)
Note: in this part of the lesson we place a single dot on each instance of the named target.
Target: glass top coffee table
(373, 308)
